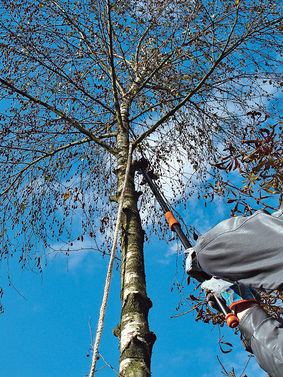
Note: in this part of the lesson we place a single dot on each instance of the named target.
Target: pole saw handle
(231, 320)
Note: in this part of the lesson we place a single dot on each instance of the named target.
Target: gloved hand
(192, 268)
(232, 293)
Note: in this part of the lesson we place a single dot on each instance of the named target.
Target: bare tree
(80, 80)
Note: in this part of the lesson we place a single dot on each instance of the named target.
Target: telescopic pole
(175, 226)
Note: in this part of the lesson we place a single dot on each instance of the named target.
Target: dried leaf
(66, 196)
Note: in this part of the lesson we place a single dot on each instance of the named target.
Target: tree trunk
(136, 340)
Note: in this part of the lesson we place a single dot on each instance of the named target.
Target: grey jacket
(263, 336)
(248, 250)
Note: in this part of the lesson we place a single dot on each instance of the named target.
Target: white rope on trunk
(110, 269)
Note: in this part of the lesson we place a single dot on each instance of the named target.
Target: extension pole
(142, 166)
(173, 223)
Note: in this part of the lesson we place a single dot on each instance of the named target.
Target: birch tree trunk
(136, 340)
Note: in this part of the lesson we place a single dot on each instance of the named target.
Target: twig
(60, 113)
(247, 363)
(193, 308)
(110, 366)
(90, 330)
(46, 155)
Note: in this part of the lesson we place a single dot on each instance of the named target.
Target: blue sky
(47, 334)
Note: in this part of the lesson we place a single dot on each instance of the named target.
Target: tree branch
(85, 39)
(222, 55)
(57, 70)
(176, 108)
(62, 115)
(111, 57)
(139, 47)
(152, 74)
(49, 154)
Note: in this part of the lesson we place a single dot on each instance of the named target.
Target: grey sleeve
(264, 336)
(244, 249)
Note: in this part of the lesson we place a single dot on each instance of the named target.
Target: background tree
(80, 80)
(259, 162)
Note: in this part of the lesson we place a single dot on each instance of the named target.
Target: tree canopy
(80, 80)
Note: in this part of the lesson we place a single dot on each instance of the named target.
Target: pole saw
(174, 225)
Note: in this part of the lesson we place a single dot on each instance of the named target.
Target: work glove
(192, 268)
(232, 294)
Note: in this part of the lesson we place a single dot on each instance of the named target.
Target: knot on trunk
(137, 302)
(117, 331)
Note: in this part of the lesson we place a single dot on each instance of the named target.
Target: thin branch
(139, 46)
(152, 74)
(225, 371)
(247, 363)
(177, 107)
(150, 108)
(110, 366)
(231, 31)
(90, 330)
(188, 311)
(57, 70)
(49, 154)
(112, 65)
(223, 54)
(85, 39)
(46, 105)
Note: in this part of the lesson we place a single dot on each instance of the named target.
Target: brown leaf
(227, 344)
(66, 196)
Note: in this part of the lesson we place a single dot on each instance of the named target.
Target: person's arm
(241, 310)
(263, 335)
